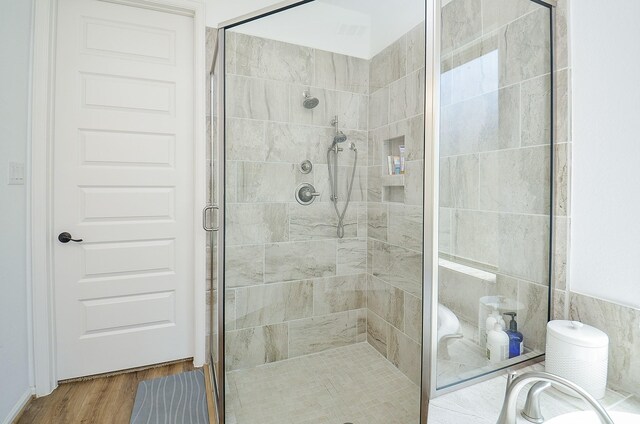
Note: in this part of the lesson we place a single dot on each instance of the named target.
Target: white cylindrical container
(579, 353)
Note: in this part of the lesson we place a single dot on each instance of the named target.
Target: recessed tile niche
(392, 183)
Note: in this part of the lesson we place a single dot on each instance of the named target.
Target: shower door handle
(205, 221)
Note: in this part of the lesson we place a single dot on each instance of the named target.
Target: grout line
(508, 149)
(619, 402)
(311, 125)
(521, 116)
(484, 36)
(288, 339)
(497, 212)
(482, 6)
(336, 251)
(330, 314)
(406, 53)
(292, 124)
(266, 284)
(300, 84)
(496, 90)
(314, 68)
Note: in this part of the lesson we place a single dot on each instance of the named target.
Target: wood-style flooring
(99, 400)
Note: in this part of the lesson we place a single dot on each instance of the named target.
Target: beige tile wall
(394, 290)
(293, 287)
(622, 325)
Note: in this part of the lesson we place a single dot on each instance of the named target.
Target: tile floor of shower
(352, 384)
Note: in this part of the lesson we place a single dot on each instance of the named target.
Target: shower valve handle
(306, 194)
(309, 194)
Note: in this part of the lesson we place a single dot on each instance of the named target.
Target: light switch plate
(16, 173)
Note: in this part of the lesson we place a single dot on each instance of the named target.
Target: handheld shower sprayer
(332, 164)
(339, 136)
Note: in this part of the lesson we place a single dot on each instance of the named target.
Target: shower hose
(333, 181)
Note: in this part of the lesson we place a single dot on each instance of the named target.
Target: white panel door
(123, 183)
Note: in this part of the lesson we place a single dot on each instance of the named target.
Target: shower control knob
(306, 194)
(306, 166)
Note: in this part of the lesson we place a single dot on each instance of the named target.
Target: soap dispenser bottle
(516, 339)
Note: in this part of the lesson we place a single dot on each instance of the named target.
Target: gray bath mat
(176, 399)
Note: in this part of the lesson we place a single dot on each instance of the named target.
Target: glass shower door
(323, 177)
(495, 203)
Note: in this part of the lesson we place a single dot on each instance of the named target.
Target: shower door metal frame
(428, 386)
(430, 207)
(219, 185)
(213, 232)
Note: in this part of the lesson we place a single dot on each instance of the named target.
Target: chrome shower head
(309, 101)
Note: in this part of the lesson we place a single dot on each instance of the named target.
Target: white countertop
(481, 403)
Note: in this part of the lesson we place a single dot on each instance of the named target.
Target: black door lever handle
(66, 238)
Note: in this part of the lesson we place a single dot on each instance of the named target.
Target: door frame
(40, 222)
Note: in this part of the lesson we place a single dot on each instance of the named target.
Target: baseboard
(17, 409)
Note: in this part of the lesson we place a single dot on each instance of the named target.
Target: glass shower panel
(324, 158)
(495, 192)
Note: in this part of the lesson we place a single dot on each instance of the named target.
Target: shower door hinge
(205, 218)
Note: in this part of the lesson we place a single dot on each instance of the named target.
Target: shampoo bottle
(497, 344)
(516, 339)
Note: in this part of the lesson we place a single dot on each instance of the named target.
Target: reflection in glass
(494, 205)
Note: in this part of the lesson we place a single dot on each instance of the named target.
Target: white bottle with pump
(497, 344)
(492, 319)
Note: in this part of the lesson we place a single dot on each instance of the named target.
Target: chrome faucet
(532, 411)
(515, 383)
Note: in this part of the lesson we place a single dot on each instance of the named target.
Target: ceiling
(360, 28)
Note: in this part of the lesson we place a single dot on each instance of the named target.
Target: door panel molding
(40, 202)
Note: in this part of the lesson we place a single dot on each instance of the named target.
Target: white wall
(319, 25)
(15, 54)
(605, 235)
(360, 28)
